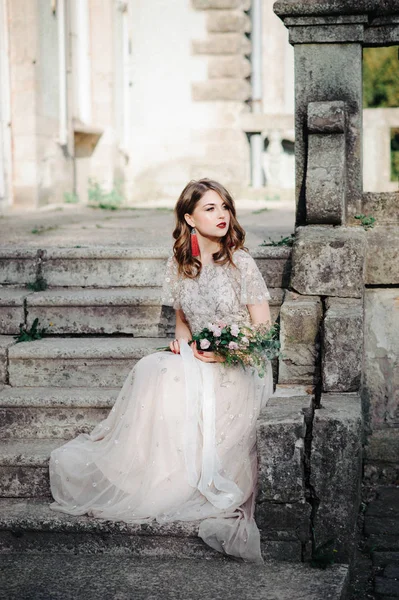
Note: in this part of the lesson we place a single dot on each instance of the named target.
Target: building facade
(143, 96)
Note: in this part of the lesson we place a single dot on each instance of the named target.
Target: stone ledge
(98, 347)
(123, 575)
(216, 4)
(28, 397)
(384, 206)
(326, 34)
(222, 43)
(221, 89)
(285, 8)
(36, 515)
(226, 21)
(236, 67)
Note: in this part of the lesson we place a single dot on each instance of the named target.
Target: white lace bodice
(219, 293)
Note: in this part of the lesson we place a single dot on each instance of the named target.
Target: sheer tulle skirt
(178, 445)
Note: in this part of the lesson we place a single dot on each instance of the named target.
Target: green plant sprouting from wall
(29, 335)
(366, 221)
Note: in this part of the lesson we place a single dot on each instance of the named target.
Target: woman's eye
(225, 207)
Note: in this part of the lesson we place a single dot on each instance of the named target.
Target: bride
(180, 441)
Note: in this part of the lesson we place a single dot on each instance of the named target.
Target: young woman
(180, 441)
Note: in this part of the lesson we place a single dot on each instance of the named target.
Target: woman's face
(211, 215)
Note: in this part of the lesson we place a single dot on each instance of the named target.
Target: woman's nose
(221, 212)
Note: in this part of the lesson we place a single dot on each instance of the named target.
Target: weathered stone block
(280, 440)
(326, 117)
(384, 206)
(300, 318)
(221, 89)
(325, 178)
(325, 34)
(383, 445)
(342, 345)
(284, 521)
(225, 21)
(237, 67)
(381, 357)
(329, 261)
(382, 264)
(222, 43)
(335, 470)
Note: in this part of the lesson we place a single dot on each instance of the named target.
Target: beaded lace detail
(219, 293)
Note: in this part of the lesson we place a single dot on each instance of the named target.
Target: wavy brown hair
(233, 240)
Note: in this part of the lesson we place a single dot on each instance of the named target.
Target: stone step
(88, 577)
(48, 412)
(24, 460)
(95, 311)
(24, 467)
(94, 559)
(76, 362)
(31, 527)
(109, 266)
(52, 412)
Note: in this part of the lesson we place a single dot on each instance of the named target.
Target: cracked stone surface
(92, 577)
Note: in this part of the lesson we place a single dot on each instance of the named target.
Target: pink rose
(204, 344)
(217, 332)
(235, 330)
(233, 345)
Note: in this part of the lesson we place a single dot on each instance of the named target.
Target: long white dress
(180, 441)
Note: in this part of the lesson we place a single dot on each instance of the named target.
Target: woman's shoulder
(242, 258)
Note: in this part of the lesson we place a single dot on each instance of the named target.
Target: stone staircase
(64, 384)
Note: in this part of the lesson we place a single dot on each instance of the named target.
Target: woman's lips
(221, 225)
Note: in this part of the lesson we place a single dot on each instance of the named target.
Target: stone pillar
(328, 67)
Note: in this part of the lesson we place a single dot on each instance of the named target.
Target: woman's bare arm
(260, 313)
(182, 330)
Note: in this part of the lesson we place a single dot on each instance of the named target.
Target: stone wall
(345, 278)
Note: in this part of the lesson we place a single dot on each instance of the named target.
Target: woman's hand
(174, 345)
(206, 356)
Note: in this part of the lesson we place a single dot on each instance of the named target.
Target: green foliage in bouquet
(245, 345)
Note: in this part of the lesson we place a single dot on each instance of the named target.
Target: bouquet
(245, 345)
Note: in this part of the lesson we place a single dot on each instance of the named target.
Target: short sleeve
(171, 285)
(253, 286)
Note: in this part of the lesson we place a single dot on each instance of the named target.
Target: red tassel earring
(195, 251)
